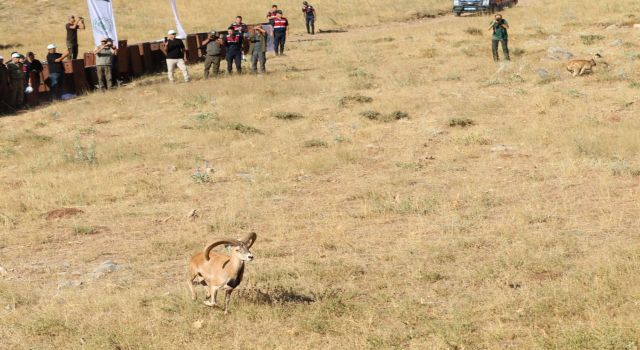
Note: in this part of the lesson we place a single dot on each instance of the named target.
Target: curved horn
(213, 245)
(250, 239)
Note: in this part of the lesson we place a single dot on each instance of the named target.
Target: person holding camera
(214, 47)
(258, 48)
(104, 60)
(500, 35)
(56, 70)
(174, 49)
(233, 43)
(72, 35)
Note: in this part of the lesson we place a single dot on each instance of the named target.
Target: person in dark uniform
(280, 31)
(16, 81)
(72, 35)
(309, 17)
(56, 70)
(233, 43)
(34, 70)
(4, 85)
(271, 15)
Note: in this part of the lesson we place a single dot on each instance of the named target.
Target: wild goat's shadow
(277, 295)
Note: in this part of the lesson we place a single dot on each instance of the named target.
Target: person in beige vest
(104, 60)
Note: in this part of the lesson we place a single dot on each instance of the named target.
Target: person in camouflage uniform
(16, 80)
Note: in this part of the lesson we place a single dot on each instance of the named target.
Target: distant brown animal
(580, 67)
(217, 270)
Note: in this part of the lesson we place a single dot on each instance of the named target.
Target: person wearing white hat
(56, 70)
(4, 85)
(174, 49)
(16, 80)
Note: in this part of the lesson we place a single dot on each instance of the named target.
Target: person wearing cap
(233, 43)
(4, 85)
(34, 70)
(16, 80)
(72, 35)
(214, 47)
(271, 15)
(56, 70)
(280, 31)
(258, 48)
(309, 17)
(174, 50)
(104, 60)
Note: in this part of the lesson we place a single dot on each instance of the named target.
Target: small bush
(201, 177)
(461, 122)
(473, 31)
(635, 85)
(84, 230)
(346, 100)
(203, 117)
(397, 115)
(315, 143)
(287, 115)
(195, 100)
(245, 129)
(83, 154)
(517, 52)
(373, 115)
(589, 39)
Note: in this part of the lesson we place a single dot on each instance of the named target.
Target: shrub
(287, 115)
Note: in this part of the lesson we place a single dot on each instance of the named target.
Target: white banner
(181, 33)
(102, 21)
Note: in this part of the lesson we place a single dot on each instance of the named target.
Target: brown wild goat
(216, 270)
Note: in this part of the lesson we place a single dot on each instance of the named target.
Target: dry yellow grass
(520, 231)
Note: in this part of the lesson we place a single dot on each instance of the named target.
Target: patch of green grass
(347, 100)
(590, 39)
(396, 115)
(85, 154)
(315, 143)
(461, 122)
(203, 117)
(196, 101)
(243, 128)
(84, 230)
(473, 31)
(373, 115)
(287, 115)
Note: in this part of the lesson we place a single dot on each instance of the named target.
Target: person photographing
(500, 35)
(214, 49)
(72, 27)
(175, 51)
(104, 60)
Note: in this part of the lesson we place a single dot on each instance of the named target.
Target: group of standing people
(239, 42)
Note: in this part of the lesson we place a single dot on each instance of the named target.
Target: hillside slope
(425, 198)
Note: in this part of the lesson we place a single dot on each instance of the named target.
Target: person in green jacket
(499, 27)
(258, 48)
(16, 81)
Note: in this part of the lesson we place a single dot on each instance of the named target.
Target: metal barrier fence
(132, 60)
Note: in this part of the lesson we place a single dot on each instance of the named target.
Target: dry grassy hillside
(425, 198)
